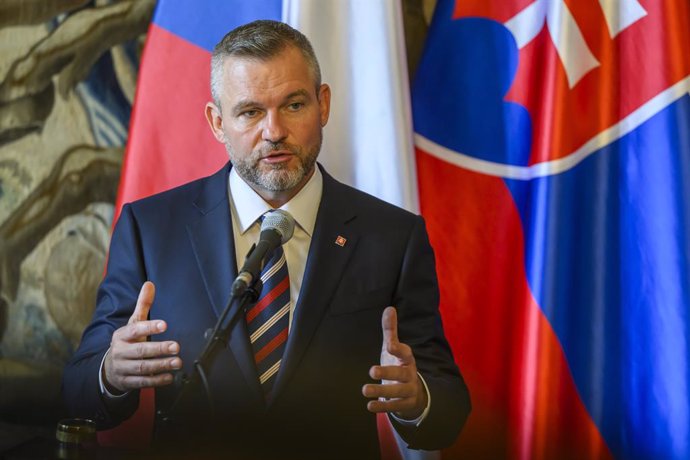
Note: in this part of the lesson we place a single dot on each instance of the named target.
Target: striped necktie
(268, 319)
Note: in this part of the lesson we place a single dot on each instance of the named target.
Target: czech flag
(553, 156)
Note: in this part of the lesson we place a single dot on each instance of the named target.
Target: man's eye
(295, 106)
(249, 113)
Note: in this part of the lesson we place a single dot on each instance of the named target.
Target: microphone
(276, 229)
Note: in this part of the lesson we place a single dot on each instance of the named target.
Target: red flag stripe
(515, 368)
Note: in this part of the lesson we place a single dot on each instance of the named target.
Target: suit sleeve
(115, 303)
(420, 327)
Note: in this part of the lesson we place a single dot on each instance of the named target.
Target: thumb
(389, 324)
(144, 302)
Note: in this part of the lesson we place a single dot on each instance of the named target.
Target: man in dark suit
(352, 256)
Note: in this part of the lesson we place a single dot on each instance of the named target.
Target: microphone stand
(236, 305)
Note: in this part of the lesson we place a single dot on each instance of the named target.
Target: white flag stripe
(553, 167)
(270, 372)
(361, 49)
(267, 325)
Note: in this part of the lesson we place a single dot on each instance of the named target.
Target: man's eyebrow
(244, 105)
(298, 93)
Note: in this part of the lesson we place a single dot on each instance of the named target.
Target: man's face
(270, 119)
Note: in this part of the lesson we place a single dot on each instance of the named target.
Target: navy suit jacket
(182, 241)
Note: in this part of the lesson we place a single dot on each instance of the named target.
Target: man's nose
(274, 129)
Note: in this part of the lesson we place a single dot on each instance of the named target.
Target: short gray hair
(262, 40)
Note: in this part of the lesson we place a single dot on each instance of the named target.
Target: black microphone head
(281, 222)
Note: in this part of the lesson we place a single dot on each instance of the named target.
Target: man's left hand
(401, 390)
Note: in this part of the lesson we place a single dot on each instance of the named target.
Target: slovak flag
(553, 158)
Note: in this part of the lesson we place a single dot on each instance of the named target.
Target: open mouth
(278, 157)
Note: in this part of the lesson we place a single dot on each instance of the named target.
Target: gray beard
(279, 177)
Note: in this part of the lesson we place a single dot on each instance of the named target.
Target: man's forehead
(283, 76)
(288, 53)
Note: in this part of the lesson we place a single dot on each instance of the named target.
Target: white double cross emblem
(565, 33)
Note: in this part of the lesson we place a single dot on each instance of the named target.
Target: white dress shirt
(246, 207)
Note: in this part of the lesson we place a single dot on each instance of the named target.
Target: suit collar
(214, 248)
(213, 191)
(211, 237)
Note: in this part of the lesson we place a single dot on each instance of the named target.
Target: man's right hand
(132, 361)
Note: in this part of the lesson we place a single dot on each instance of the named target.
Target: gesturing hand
(401, 390)
(132, 361)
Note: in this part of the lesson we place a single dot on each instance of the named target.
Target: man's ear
(215, 121)
(324, 103)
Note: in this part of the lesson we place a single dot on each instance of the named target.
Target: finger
(139, 330)
(389, 391)
(144, 350)
(391, 405)
(395, 373)
(136, 382)
(389, 324)
(401, 351)
(144, 302)
(148, 367)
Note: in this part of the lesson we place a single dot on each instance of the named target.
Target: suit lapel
(213, 245)
(325, 264)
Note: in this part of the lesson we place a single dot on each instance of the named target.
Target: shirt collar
(303, 207)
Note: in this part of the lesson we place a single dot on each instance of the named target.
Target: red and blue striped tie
(269, 318)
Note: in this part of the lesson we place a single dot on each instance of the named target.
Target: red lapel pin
(340, 241)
